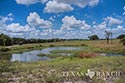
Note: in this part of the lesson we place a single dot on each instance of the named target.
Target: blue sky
(61, 18)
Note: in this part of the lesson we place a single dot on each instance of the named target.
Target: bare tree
(111, 36)
(107, 35)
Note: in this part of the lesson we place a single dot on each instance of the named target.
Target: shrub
(87, 55)
(51, 45)
(123, 41)
(20, 43)
(4, 49)
(121, 36)
(83, 45)
(41, 54)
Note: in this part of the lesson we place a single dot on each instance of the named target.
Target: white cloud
(34, 20)
(113, 21)
(43, 1)
(26, 2)
(51, 18)
(29, 2)
(100, 27)
(13, 29)
(93, 3)
(9, 17)
(85, 26)
(117, 31)
(124, 10)
(80, 3)
(16, 27)
(71, 28)
(55, 7)
(58, 6)
(70, 22)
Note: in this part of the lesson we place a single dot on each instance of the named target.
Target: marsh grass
(4, 49)
(97, 45)
(35, 70)
(31, 72)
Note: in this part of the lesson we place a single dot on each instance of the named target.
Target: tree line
(7, 41)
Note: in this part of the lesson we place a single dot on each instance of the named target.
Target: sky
(64, 19)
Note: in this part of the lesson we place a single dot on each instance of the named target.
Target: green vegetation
(121, 36)
(5, 40)
(93, 37)
(39, 71)
(4, 49)
(80, 61)
(123, 41)
(99, 46)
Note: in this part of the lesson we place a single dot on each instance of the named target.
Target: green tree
(5, 40)
(121, 36)
(123, 41)
(93, 37)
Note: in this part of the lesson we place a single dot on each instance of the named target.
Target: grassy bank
(40, 71)
(97, 45)
(51, 71)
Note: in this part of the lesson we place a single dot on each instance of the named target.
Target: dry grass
(114, 46)
(87, 55)
(97, 45)
(34, 71)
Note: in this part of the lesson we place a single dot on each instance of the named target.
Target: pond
(111, 54)
(32, 55)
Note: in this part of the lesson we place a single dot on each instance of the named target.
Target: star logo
(89, 73)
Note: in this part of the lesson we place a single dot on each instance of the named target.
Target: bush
(20, 43)
(29, 47)
(4, 49)
(83, 45)
(123, 41)
(121, 36)
(51, 45)
(87, 55)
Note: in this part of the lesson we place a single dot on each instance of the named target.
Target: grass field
(99, 45)
(51, 71)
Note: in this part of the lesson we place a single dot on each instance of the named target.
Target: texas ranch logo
(106, 75)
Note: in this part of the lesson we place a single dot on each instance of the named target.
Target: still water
(31, 56)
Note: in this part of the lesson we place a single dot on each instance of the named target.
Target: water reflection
(32, 55)
(48, 50)
(28, 56)
(111, 54)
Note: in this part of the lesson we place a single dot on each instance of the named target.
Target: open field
(51, 71)
(116, 46)
(97, 46)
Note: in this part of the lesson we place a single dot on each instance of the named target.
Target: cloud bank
(71, 28)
